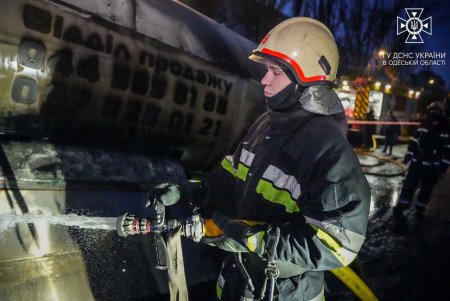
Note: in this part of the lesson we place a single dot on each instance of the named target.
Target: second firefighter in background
(428, 157)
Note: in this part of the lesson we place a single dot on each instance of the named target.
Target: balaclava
(287, 99)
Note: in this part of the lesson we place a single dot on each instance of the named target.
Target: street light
(381, 53)
(431, 81)
(345, 86)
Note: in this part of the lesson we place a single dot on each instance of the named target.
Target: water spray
(8, 220)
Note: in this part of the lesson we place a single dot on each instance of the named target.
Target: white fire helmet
(304, 47)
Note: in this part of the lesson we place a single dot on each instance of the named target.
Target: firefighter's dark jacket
(430, 146)
(295, 171)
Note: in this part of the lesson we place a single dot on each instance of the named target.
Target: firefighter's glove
(193, 228)
(166, 193)
(250, 237)
(191, 192)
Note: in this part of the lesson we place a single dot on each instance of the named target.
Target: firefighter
(428, 157)
(368, 130)
(391, 132)
(294, 171)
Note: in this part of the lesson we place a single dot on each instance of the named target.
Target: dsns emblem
(414, 25)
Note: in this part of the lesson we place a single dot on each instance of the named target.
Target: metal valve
(128, 224)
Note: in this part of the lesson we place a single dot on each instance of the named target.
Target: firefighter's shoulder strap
(176, 275)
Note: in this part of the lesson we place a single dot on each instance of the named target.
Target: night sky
(439, 41)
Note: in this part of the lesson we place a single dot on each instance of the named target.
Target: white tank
(99, 100)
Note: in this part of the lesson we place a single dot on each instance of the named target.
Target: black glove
(192, 192)
(251, 237)
(166, 193)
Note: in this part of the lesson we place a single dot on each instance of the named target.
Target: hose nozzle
(128, 224)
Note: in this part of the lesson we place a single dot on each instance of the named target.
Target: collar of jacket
(318, 99)
(284, 122)
(287, 100)
(321, 99)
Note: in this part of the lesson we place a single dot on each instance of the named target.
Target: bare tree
(250, 18)
(297, 7)
(364, 27)
(360, 27)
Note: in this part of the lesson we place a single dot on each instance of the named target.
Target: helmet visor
(266, 59)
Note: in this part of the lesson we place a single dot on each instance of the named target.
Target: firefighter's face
(275, 80)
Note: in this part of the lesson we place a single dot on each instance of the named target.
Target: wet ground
(407, 261)
(400, 262)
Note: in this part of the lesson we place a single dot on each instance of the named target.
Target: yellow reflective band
(344, 256)
(347, 238)
(242, 172)
(197, 181)
(226, 164)
(218, 291)
(282, 181)
(254, 242)
(278, 196)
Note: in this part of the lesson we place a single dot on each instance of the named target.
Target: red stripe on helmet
(294, 64)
